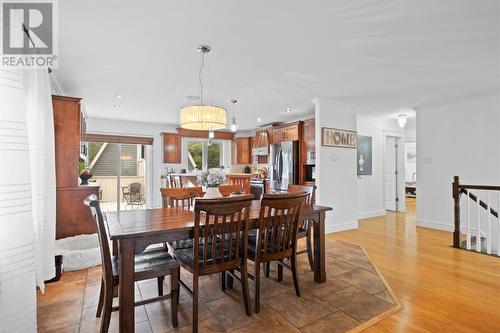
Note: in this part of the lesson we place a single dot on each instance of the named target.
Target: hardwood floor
(442, 289)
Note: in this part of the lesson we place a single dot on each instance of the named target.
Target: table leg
(126, 288)
(319, 248)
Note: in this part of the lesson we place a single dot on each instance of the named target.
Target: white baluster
(468, 222)
(478, 235)
(488, 236)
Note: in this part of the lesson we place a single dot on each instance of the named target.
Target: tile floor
(352, 294)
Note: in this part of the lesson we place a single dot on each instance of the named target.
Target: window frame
(204, 152)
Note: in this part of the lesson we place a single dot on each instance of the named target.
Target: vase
(85, 178)
(212, 193)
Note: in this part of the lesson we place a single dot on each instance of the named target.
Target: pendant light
(234, 127)
(203, 117)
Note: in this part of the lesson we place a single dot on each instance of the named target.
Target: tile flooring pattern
(352, 294)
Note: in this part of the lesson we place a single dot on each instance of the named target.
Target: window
(202, 156)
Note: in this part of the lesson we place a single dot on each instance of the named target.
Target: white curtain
(27, 195)
(40, 121)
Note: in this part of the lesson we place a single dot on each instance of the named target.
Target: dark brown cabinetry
(286, 133)
(241, 152)
(308, 151)
(72, 216)
(172, 147)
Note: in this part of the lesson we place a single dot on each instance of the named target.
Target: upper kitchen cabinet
(241, 152)
(286, 133)
(172, 147)
(310, 141)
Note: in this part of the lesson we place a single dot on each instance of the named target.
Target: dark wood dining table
(133, 230)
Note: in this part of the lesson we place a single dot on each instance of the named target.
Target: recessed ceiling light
(118, 96)
(259, 120)
(192, 97)
(116, 106)
(288, 110)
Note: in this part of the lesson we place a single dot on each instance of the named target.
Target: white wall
(336, 167)
(460, 139)
(370, 198)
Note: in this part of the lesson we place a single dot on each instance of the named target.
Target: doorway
(394, 174)
(121, 168)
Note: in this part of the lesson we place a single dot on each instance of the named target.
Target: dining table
(133, 230)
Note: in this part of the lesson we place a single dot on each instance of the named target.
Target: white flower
(212, 178)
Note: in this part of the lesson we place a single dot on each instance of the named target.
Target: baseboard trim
(375, 213)
(434, 225)
(335, 227)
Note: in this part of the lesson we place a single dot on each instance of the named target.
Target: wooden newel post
(456, 199)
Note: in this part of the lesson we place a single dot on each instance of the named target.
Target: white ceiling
(385, 56)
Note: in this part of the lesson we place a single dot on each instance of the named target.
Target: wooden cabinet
(172, 148)
(241, 152)
(286, 133)
(72, 216)
(310, 139)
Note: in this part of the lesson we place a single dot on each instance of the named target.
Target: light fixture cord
(199, 76)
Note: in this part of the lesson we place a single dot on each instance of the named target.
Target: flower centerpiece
(85, 175)
(211, 180)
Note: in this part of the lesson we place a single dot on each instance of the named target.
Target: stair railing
(488, 206)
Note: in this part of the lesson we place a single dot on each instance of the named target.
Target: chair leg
(267, 268)
(108, 304)
(280, 271)
(223, 280)
(160, 285)
(195, 304)
(244, 288)
(179, 288)
(257, 286)
(295, 275)
(230, 279)
(309, 248)
(101, 300)
(174, 300)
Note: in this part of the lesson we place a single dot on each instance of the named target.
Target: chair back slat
(180, 197)
(278, 224)
(227, 189)
(310, 190)
(223, 233)
(242, 180)
(107, 271)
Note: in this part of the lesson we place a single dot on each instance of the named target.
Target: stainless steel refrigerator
(285, 165)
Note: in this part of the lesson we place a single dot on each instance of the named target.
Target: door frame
(400, 167)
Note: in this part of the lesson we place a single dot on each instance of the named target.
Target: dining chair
(227, 189)
(180, 197)
(151, 263)
(219, 245)
(304, 230)
(175, 181)
(276, 238)
(243, 180)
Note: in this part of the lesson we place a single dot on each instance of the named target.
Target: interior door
(390, 173)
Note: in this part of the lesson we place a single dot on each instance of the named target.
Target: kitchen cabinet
(310, 140)
(286, 133)
(241, 152)
(172, 147)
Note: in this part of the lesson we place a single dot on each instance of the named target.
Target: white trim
(367, 215)
(435, 225)
(335, 227)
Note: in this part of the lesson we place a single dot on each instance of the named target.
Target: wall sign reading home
(332, 137)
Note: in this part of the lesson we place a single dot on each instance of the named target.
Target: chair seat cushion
(186, 255)
(151, 260)
(181, 244)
